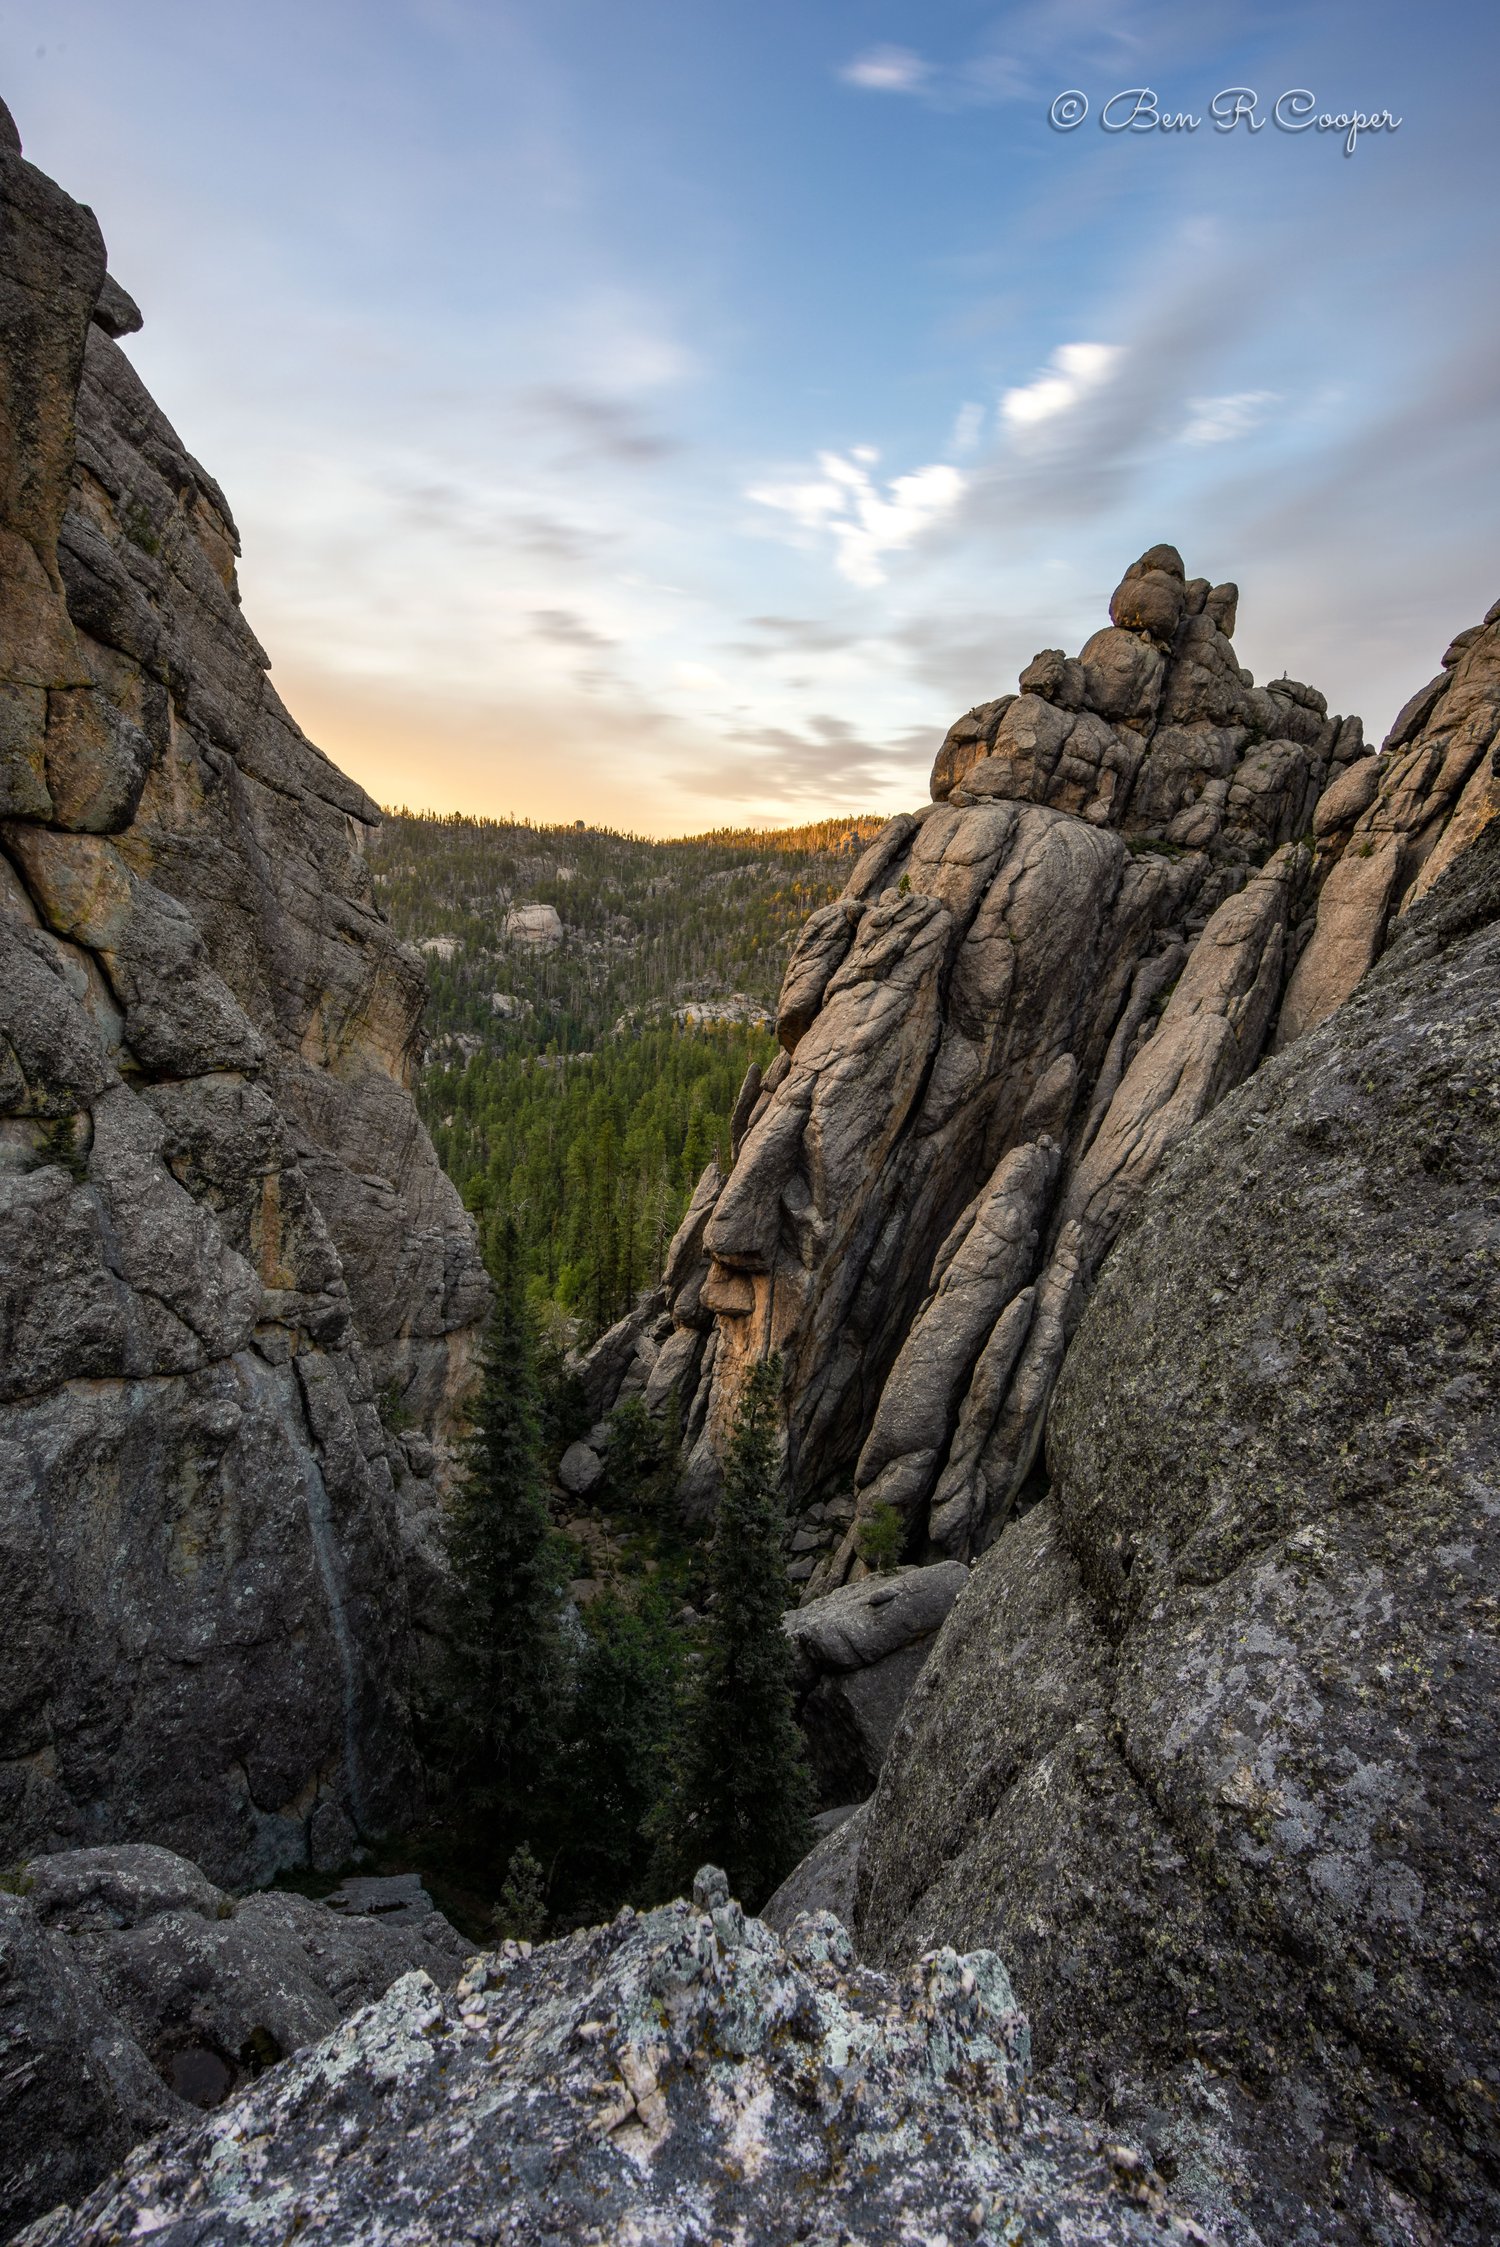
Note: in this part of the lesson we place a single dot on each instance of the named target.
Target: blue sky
(668, 413)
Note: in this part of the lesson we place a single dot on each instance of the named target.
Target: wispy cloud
(608, 427)
(825, 760)
(1216, 421)
(1013, 63)
(800, 635)
(1074, 370)
(567, 629)
(864, 522)
(887, 70)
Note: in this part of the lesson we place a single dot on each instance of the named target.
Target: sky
(674, 413)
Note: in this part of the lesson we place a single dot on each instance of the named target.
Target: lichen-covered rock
(132, 1991)
(677, 2078)
(1206, 1746)
(223, 1230)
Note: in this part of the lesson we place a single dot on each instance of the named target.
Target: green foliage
(650, 927)
(393, 1413)
(880, 1539)
(594, 1158)
(59, 1145)
(615, 1770)
(565, 1408)
(742, 1793)
(505, 1688)
(644, 1460)
(587, 1105)
(521, 1912)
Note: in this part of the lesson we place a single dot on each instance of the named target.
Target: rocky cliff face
(222, 1227)
(1206, 1748)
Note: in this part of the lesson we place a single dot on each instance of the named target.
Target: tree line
(591, 1159)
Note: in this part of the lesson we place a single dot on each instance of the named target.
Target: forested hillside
(596, 1000)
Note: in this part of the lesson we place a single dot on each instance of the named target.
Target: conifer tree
(620, 1737)
(743, 1793)
(507, 1668)
(521, 1912)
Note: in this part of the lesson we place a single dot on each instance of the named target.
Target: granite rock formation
(223, 1230)
(1138, 876)
(1389, 831)
(133, 1991)
(1206, 1747)
(1026, 994)
(826, 1878)
(674, 2078)
(857, 1653)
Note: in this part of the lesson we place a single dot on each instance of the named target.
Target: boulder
(678, 2076)
(1205, 1745)
(537, 926)
(856, 1653)
(133, 1990)
(579, 1469)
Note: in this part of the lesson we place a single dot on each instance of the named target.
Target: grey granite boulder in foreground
(679, 2077)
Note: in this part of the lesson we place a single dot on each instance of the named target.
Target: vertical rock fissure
(320, 1529)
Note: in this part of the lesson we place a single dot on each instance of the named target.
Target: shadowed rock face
(856, 1653)
(222, 1227)
(674, 2078)
(1206, 1747)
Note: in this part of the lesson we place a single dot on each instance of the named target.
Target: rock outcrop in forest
(224, 1229)
(1137, 875)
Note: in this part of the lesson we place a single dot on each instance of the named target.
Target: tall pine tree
(617, 1756)
(507, 1671)
(743, 1793)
